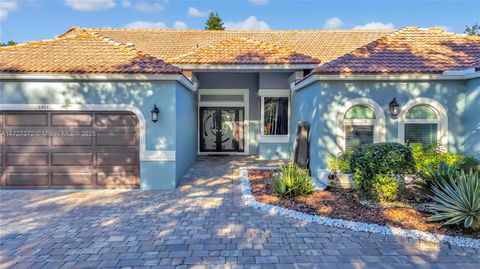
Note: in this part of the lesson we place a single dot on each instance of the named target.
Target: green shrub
(292, 180)
(458, 200)
(372, 163)
(339, 163)
(387, 188)
(432, 155)
(432, 176)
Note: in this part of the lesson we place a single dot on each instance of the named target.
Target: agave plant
(457, 199)
(433, 175)
(292, 180)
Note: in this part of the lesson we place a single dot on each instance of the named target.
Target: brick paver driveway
(201, 224)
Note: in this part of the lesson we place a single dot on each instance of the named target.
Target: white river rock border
(249, 200)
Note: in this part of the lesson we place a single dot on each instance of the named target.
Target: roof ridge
(224, 31)
(130, 48)
(251, 40)
(98, 36)
(361, 50)
(44, 41)
(71, 30)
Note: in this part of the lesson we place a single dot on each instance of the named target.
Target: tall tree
(214, 22)
(9, 43)
(472, 30)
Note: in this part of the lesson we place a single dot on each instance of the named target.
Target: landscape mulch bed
(345, 204)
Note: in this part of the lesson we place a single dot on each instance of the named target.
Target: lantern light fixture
(155, 112)
(394, 108)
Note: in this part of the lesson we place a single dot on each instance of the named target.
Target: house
(98, 107)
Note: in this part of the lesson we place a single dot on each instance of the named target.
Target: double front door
(221, 129)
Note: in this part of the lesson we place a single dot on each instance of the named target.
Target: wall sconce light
(394, 108)
(155, 112)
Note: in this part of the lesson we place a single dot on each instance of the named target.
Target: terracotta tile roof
(81, 53)
(323, 45)
(410, 50)
(243, 51)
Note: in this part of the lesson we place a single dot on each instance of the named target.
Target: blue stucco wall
(274, 151)
(186, 129)
(160, 136)
(319, 104)
(471, 120)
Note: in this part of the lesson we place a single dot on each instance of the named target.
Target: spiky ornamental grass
(292, 180)
(457, 200)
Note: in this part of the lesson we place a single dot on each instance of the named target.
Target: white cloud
(146, 6)
(146, 25)
(89, 5)
(259, 2)
(251, 23)
(6, 6)
(126, 3)
(180, 25)
(194, 12)
(333, 23)
(375, 26)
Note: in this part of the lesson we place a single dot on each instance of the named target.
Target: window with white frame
(423, 121)
(275, 115)
(421, 125)
(275, 112)
(359, 125)
(360, 121)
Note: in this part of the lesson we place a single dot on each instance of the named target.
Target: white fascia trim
(245, 67)
(137, 77)
(446, 76)
(145, 155)
(274, 92)
(273, 139)
(463, 72)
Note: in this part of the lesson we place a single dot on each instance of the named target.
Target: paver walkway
(201, 224)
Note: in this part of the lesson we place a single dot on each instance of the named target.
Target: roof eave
(181, 78)
(295, 86)
(244, 67)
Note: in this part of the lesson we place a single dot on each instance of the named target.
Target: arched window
(360, 122)
(423, 121)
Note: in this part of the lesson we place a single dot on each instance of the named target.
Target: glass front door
(221, 129)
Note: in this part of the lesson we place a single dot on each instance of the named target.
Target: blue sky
(29, 20)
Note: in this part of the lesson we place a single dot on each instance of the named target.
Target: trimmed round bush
(378, 170)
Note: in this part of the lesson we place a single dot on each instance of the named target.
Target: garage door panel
(108, 119)
(72, 120)
(59, 159)
(117, 159)
(26, 140)
(27, 179)
(72, 169)
(27, 159)
(116, 139)
(72, 141)
(26, 119)
(55, 159)
(114, 179)
(72, 179)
